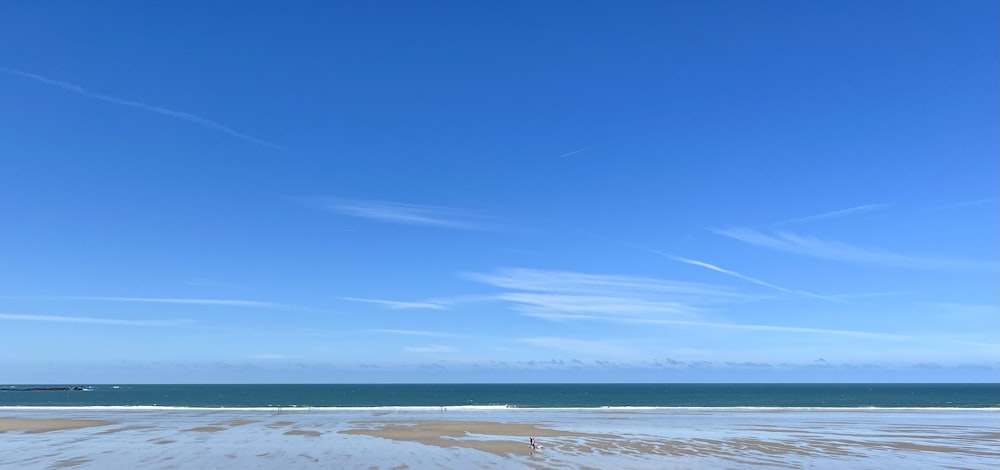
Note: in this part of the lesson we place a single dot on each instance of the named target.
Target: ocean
(883, 395)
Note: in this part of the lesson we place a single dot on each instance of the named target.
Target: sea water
(980, 395)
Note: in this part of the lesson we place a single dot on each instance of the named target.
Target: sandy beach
(36, 425)
(581, 439)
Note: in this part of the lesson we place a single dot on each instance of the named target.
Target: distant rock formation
(45, 389)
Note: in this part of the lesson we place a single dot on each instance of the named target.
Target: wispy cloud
(393, 304)
(161, 300)
(785, 329)
(568, 154)
(607, 304)
(742, 276)
(738, 326)
(434, 348)
(272, 357)
(965, 307)
(203, 122)
(569, 282)
(540, 292)
(861, 295)
(833, 214)
(397, 213)
(572, 296)
(437, 334)
(810, 246)
(973, 202)
(94, 321)
(579, 346)
(202, 282)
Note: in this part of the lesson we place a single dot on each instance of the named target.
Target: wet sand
(569, 439)
(505, 438)
(37, 425)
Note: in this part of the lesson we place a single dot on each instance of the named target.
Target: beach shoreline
(462, 438)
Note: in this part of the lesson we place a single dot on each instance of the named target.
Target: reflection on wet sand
(569, 439)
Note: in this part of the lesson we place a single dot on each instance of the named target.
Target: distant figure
(534, 444)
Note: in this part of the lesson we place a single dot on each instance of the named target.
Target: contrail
(742, 276)
(830, 215)
(577, 151)
(207, 123)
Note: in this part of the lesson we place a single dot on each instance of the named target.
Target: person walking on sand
(534, 444)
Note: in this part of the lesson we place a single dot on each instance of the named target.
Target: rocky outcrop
(45, 389)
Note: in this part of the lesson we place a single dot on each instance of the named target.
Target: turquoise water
(517, 395)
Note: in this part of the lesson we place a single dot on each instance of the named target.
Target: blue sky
(517, 191)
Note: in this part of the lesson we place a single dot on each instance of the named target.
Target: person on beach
(534, 445)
